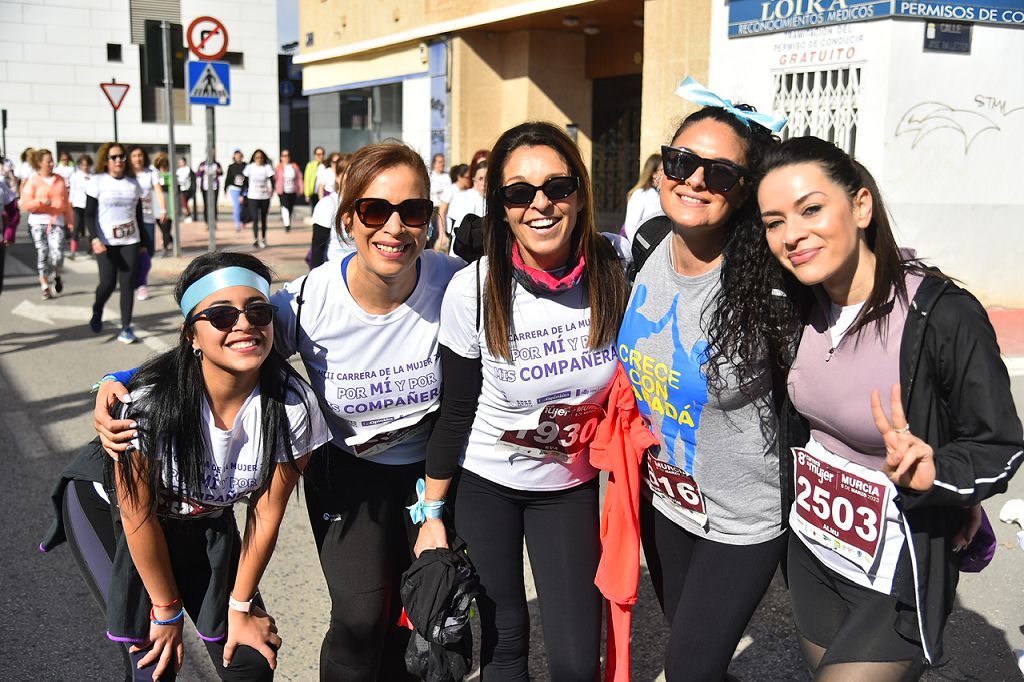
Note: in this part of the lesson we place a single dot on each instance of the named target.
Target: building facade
(450, 75)
(55, 54)
(930, 105)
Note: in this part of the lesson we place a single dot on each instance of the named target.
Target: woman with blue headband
(711, 514)
(222, 418)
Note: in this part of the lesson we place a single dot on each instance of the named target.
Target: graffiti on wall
(925, 118)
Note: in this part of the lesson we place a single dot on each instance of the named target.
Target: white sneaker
(188, 219)
(127, 336)
(263, 243)
(141, 293)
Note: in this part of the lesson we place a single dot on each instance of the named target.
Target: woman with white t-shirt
(154, 208)
(327, 243)
(644, 201)
(259, 185)
(237, 425)
(78, 182)
(527, 348)
(113, 214)
(287, 185)
(471, 201)
(45, 198)
(26, 168)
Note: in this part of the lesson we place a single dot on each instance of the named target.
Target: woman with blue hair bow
(711, 514)
(234, 423)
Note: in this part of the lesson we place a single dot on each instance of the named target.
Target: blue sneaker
(96, 324)
(127, 336)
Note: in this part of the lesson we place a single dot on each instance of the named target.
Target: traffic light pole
(172, 153)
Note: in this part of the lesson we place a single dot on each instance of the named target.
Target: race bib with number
(239, 180)
(147, 204)
(841, 506)
(385, 440)
(124, 230)
(563, 432)
(676, 486)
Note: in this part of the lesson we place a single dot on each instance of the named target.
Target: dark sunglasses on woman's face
(377, 212)
(117, 157)
(522, 193)
(224, 317)
(719, 176)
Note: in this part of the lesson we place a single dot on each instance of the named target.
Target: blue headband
(233, 276)
(693, 91)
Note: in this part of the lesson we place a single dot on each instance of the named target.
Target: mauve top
(832, 388)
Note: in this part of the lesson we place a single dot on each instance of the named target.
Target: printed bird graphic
(927, 117)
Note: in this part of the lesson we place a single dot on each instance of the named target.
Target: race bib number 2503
(840, 509)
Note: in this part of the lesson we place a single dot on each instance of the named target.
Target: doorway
(616, 147)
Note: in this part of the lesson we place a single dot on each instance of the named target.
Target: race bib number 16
(675, 485)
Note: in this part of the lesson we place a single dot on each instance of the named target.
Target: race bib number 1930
(840, 509)
(562, 432)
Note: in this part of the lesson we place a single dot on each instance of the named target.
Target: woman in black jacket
(884, 486)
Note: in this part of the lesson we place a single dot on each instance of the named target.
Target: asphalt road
(48, 360)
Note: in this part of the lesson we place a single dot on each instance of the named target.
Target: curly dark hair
(744, 306)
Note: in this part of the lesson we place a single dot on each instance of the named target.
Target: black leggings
(259, 208)
(79, 236)
(321, 242)
(364, 537)
(166, 232)
(561, 531)
(287, 204)
(90, 531)
(118, 266)
(707, 590)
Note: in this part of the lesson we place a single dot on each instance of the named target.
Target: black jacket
(956, 396)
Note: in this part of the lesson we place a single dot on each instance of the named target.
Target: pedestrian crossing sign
(209, 83)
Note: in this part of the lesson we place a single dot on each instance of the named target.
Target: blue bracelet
(423, 509)
(170, 621)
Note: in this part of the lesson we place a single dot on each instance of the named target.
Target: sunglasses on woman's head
(522, 193)
(719, 176)
(224, 317)
(377, 212)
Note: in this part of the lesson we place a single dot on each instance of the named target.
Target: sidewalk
(285, 252)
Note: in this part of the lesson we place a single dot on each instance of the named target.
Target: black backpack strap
(478, 296)
(298, 311)
(647, 238)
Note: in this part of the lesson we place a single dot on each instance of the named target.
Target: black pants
(287, 204)
(79, 238)
(118, 266)
(259, 208)
(364, 537)
(707, 590)
(90, 531)
(320, 243)
(561, 531)
(210, 210)
(166, 232)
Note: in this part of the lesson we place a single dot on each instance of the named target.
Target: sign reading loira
(756, 17)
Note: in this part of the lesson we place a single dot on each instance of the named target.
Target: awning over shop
(363, 70)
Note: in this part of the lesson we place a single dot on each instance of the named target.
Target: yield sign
(115, 93)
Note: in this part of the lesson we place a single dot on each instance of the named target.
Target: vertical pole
(211, 177)
(172, 186)
(3, 145)
(115, 125)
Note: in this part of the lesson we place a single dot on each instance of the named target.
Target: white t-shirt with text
(116, 199)
(259, 180)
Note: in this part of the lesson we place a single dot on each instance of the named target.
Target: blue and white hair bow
(693, 91)
(424, 509)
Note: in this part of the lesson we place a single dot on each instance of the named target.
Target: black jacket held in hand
(956, 396)
(437, 590)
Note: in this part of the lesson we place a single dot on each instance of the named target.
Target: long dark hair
(170, 413)
(603, 274)
(890, 266)
(735, 342)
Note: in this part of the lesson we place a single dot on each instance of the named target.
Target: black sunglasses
(719, 176)
(116, 157)
(224, 317)
(522, 193)
(377, 212)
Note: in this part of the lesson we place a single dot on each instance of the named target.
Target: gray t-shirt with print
(717, 438)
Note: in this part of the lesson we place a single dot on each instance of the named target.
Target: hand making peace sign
(909, 461)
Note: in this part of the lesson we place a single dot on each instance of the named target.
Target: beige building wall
(677, 44)
(502, 79)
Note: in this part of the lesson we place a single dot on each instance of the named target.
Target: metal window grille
(823, 103)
